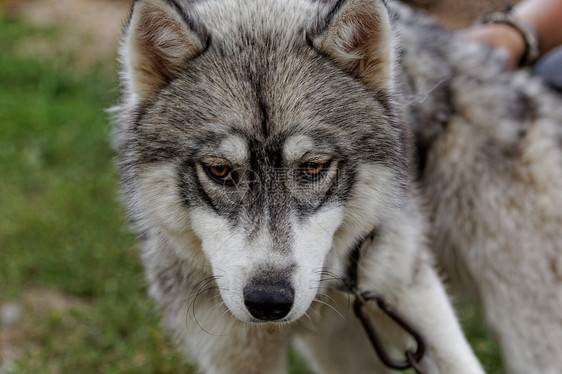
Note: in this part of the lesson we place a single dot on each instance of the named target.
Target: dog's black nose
(269, 302)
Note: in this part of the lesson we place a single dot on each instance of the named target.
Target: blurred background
(72, 296)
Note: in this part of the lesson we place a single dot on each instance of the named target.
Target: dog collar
(351, 279)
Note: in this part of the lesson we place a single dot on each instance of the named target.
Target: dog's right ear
(357, 36)
(160, 39)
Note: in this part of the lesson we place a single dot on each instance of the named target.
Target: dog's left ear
(357, 36)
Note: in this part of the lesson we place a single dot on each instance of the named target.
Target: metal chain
(412, 358)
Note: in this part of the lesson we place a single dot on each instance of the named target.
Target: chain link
(412, 358)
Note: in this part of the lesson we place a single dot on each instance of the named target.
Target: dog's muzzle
(269, 302)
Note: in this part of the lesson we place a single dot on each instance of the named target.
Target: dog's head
(258, 136)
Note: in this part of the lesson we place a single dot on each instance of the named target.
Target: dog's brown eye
(219, 171)
(314, 168)
(221, 174)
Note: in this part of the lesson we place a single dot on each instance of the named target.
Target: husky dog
(258, 139)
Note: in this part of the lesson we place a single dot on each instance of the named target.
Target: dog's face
(252, 147)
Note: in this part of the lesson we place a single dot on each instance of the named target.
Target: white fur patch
(313, 241)
(234, 148)
(236, 259)
(296, 147)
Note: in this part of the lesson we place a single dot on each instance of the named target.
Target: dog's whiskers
(326, 275)
(330, 298)
(307, 322)
(217, 305)
(330, 307)
(201, 287)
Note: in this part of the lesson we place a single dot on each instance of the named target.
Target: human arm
(544, 15)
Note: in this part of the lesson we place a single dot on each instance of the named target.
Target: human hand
(498, 35)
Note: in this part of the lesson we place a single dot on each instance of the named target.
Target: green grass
(62, 230)
(61, 227)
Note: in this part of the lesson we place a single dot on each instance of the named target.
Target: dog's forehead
(226, 20)
(262, 78)
(272, 91)
(260, 63)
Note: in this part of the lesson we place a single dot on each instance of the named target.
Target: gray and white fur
(258, 139)
(490, 145)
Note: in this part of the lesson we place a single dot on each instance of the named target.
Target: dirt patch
(18, 319)
(90, 29)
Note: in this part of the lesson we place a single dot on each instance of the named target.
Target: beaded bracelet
(527, 31)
